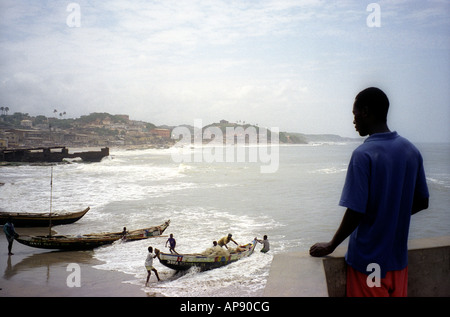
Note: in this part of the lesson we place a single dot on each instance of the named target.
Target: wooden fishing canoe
(133, 235)
(182, 262)
(28, 219)
(89, 241)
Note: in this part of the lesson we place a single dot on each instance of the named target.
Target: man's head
(370, 109)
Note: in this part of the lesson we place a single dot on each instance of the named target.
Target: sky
(291, 64)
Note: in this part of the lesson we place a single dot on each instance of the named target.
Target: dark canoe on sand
(28, 219)
(89, 241)
(182, 262)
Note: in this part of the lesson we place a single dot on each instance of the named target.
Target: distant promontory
(20, 130)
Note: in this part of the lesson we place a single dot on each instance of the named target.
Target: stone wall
(298, 274)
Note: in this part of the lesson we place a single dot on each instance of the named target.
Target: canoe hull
(63, 242)
(181, 262)
(90, 241)
(41, 219)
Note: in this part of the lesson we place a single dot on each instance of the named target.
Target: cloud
(285, 63)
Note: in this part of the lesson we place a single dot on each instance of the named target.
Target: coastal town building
(20, 130)
(98, 129)
(162, 133)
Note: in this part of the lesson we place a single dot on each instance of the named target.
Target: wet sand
(33, 272)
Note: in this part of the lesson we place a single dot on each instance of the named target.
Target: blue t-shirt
(383, 176)
(172, 242)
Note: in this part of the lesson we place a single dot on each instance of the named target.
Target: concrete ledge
(298, 274)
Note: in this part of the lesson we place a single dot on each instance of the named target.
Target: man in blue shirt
(172, 244)
(384, 186)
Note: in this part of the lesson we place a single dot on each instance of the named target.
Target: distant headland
(20, 130)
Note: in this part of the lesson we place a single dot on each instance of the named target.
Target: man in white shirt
(149, 265)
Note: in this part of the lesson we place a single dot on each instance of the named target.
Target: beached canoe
(182, 262)
(89, 241)
(28, 219)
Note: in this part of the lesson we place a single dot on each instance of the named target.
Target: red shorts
(395, 284)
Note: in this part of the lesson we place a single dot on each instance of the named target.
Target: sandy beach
(32, 272)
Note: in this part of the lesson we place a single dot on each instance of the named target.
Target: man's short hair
(375, 100)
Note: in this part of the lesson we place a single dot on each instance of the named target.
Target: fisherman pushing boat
(224, 241)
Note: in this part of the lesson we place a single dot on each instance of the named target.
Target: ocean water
(296, 206)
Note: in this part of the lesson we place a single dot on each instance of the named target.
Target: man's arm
(349, 223)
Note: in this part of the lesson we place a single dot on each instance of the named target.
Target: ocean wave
(195, 228)
(329, 170)
(443, 182)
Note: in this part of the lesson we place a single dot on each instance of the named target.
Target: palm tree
(2, 109)
(6, 110)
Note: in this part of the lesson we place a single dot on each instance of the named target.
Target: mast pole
(51, 197)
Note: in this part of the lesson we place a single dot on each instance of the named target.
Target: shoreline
(33, 272)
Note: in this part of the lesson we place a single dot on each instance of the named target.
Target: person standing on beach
(10, 233)
(149, 265)
(172, 244)
(384, 186)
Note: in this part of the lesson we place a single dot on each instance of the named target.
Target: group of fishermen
(11, 234)
(222, 243)
(172, 244)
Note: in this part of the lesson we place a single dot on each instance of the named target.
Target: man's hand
(349, 223)
(321, 249)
